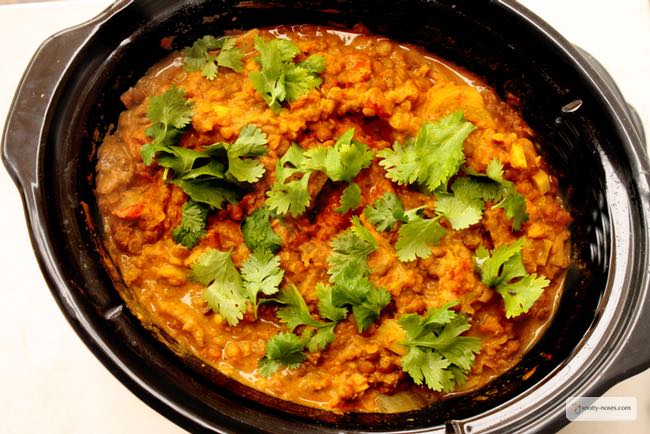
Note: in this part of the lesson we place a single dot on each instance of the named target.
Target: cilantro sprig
(228, 291)
(283, 349)
(258, 232)
(417, 236)
(212, 176)
(201, 56)
(433, 157)
(349, 271)
(416, 233)
(243, 166)
(350, 251)
(464, 207)
(512, 202)
(350, 198)
(288, 349)
(261, 273)
(341, 162)
(438, 355)
(290, 191)
(169, 113)
(385, 212)
(364, 298)
(503, 269)
(280, 79)
(350, 289)
(192, 227)
(224, 284)
(295, 313)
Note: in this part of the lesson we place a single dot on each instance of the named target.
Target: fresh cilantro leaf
(298, 81)
(283, 349)
(520, 296)
(385, 212)
(230, 56)
(181, 161)
(326, 306)
(212, 170)
(171, 109)
(169, 114)
(287, 194)
(351, 289)
(492, 267)
(295, 312)
(290, 194)
(512, 202)
(350, 198)
(350, 250)
(341, 162)
(291, 197)
(433, 157)
(465, 207)
(224, 291)
(198, 57)
(362, 232)
(258, 232)
(211, 192)
(416, 237)
(362, 295)
(498, 271)
(514, 205)
(368, 312)
(251, 142)
(192, 228)
(314, 64)
(348, 269)
(494, 170)
(437, 355)
(279, 78)
(429, 367)
(322, 338)
(203, 176)
(262, 274)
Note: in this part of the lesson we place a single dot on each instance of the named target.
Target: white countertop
(51, 383)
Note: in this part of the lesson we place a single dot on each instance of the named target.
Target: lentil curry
(332, 218)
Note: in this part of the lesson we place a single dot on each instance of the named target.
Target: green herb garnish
(228, 291)
(262, 274)
(283, 349)
(504, 271)
(169, 113)
(224, 284)
(279, 78)
(417, 236)
(437, 355)
(288, 194)
(258, 232)
(433, 157)
(192, 227)
(201, 56)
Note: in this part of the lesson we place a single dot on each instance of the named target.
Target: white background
(50, 382)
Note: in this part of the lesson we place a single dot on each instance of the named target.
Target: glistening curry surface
(332, 220)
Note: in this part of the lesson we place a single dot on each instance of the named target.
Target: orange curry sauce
(384, 90)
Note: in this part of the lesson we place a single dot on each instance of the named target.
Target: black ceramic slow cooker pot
(69, 99)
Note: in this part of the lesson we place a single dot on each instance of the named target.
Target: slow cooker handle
(26, 125)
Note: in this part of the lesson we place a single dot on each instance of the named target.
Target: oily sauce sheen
(384, 90)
